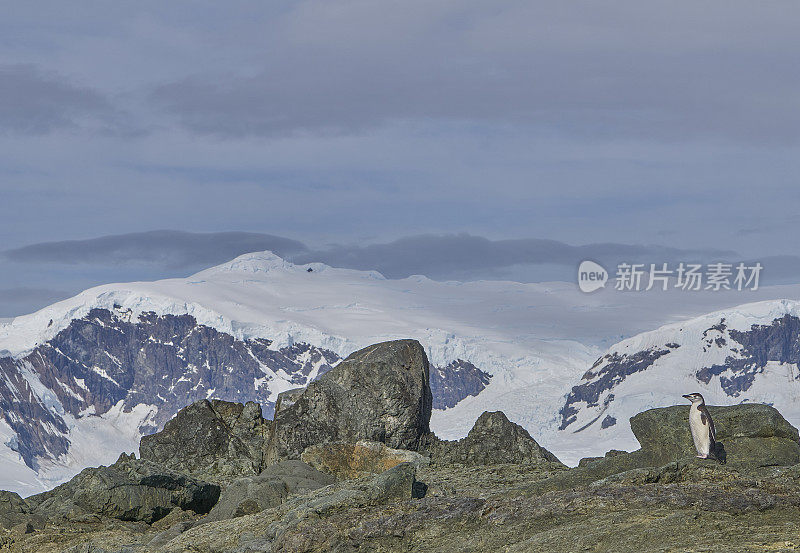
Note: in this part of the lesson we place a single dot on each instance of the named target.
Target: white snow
(97, 441)
(16, 476)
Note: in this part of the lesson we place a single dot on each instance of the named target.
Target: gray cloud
(358, 122)
(52, 271)
(576, 68)
(36, 102)
(446, 256)
(173, 250)
(464, 256)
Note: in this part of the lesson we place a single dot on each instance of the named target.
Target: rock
(211, 440)
(291, 525)
(253, 494)
(130, 489)
(393, 484)
(753, 435)
(586, 461)
(380, 393)
(347, 461)
(23, 528)
(13, 509)
(287, 399)
(165, 536)
(493, 440)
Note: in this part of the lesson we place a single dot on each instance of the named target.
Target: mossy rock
(753, 435)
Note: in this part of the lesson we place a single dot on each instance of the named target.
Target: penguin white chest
(701, 433)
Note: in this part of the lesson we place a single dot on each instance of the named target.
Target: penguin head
(694, 397)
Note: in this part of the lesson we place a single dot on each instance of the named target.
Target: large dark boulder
(214, 440)
(380, 393)
(493, 440)
(253, 494)
(130, 489)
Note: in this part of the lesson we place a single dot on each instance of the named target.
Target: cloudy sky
(459, 138)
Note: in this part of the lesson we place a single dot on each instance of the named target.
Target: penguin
(702, 427)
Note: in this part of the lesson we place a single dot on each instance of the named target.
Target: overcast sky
(349, 124)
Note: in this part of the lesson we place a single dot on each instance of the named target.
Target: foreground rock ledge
(494, 490)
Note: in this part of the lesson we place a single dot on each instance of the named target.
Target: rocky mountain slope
(227, 490)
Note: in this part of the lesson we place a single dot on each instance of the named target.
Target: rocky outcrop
(290, 526)
(253, 494)
(348, 461)
(211, 439)
(130, 489)
(13, 510)
(753, 435)
(493, 440)
(380, 393)
(495, 490)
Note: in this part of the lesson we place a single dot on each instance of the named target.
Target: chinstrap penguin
(702, 427)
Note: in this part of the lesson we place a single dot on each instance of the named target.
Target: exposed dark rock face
(510, 496)
(455, 381)
(211, 439)
(779, 342)
(607, 372)
(168, 361)
(130, 489)
(272, 487)
(380, 393)
(493, 440)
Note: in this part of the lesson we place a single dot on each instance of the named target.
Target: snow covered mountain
(746, 354)
(83, 379)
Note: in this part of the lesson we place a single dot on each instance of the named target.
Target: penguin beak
(688, 396)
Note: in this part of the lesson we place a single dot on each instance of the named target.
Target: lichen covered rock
(210, 439)
(347, 461)
(130, 489)
(380, 393)
(253, 494)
